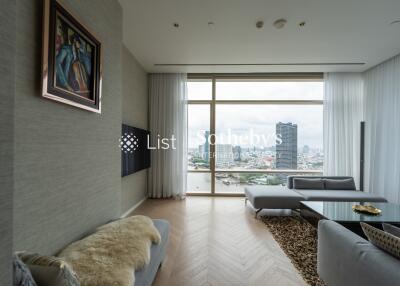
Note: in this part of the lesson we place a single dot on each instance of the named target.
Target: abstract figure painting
(71, 60)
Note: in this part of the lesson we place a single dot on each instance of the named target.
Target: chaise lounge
(307, 188)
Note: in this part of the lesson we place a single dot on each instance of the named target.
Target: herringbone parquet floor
(217, 242)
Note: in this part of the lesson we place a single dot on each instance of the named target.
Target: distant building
(306, 149)
(286, 152)
(237, 153)
(202, 153)
(204, 149)
(223, 155)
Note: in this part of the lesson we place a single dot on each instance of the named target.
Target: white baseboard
(133, 208)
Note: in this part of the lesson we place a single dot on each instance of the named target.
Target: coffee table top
(342, 212)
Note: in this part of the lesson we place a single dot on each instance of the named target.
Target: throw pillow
(49, 275)
(65, 270)
(22, 275)
(340, 184)
(384, 240)
(391, 229)
(308, 184)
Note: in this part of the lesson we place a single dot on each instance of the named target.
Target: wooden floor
(217, 241)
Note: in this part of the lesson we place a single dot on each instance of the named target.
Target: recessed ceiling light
(259, 24)
(176, 25)
(280, 23)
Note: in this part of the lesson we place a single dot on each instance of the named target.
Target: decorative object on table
(382, 239)
(298, 239)
(71, 60)
(366, 209)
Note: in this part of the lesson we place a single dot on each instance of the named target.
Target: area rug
(298, 239)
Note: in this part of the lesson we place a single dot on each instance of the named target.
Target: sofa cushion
(345, 258)
(49, 276)
(384, 240)
(308, 184)
(65, 270)
(270, 197)
(339, 196)
(391, 229)
(340, 184)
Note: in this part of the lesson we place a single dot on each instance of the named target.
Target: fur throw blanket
(111, 255)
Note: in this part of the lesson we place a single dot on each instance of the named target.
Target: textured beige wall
(67, 160)
(7, 92)
(134, 113)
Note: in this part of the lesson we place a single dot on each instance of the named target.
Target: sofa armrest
(345, 258)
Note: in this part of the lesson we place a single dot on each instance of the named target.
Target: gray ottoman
(272, 197)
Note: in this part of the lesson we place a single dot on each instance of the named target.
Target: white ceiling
(336, 31)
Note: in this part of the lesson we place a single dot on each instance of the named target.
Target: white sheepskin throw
(111, 255)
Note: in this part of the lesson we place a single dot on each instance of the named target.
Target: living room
(200, 142)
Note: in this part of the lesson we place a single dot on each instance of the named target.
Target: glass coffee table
(342, 213)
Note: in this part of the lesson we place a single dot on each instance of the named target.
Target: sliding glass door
(247, 131)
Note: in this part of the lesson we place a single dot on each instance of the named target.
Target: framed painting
(71, 67)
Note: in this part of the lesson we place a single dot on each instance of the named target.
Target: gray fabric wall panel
(7, 92)
(134, 113)
(67, 160)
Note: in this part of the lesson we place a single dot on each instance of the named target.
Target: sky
(242, 122)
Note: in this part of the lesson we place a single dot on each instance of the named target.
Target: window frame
(213, 102)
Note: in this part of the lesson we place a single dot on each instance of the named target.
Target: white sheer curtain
(168, 117)
(343, 112)
(382, 126)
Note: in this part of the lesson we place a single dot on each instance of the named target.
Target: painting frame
(71, 60)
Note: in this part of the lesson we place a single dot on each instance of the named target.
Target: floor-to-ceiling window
(244, 130)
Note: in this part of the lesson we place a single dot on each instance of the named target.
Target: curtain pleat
(343, 112)
(168, 117)
(382, 108)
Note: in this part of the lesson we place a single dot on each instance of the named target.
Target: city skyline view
(259, 120)
(239, 120)
(285, 154)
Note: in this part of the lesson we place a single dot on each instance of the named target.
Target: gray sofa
(145, 276)
(346, 259)
(287, 197)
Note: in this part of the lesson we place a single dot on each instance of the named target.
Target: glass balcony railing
(234, 181)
